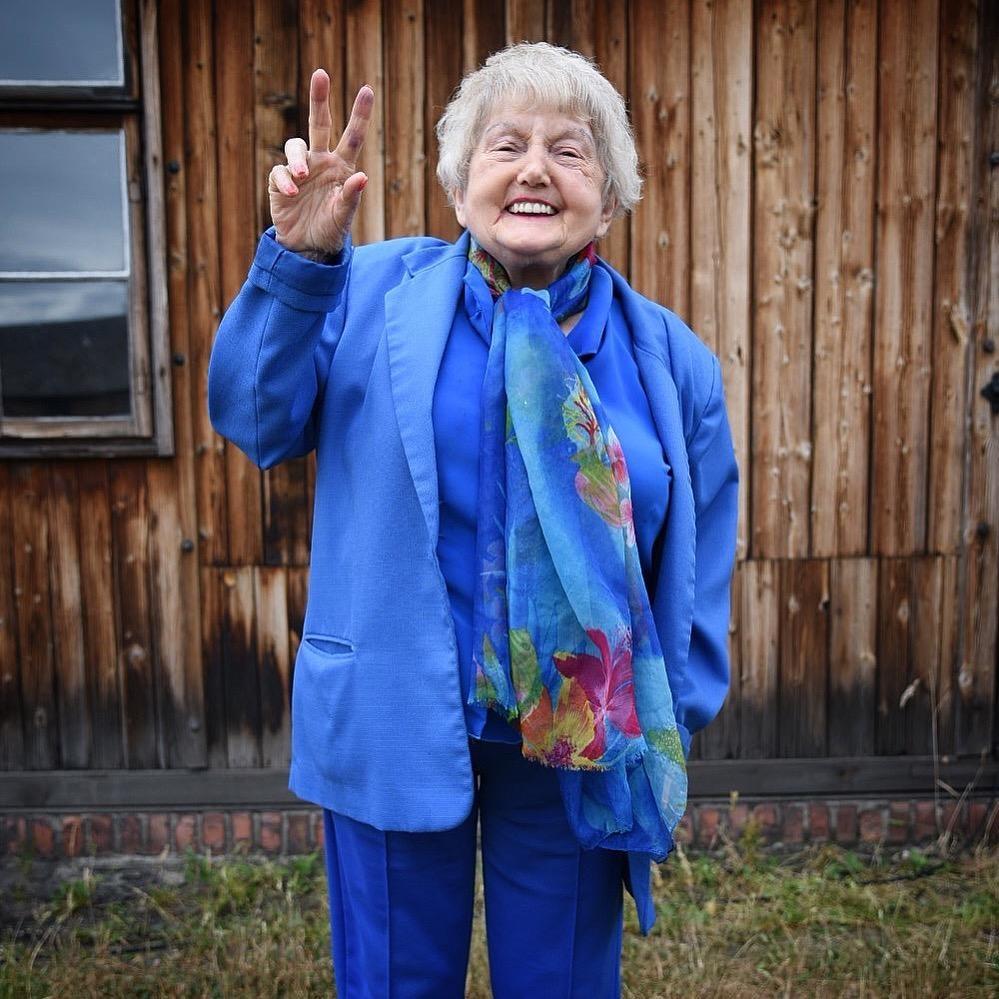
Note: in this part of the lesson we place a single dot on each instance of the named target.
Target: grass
(739, 923)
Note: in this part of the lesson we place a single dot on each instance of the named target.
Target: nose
(534, 167)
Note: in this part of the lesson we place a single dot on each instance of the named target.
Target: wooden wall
(819, 206)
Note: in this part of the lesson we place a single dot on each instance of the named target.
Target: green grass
(740, 923)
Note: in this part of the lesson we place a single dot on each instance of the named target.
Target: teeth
(531, 208)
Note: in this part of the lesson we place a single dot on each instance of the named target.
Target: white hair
(536, 73)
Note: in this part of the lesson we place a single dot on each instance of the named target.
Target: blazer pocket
(329, 646)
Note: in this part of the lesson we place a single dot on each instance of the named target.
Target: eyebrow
(573, 131)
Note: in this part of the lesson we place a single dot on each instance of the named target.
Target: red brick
(872, 825)
(42, 838)
(925, 827)
(213, 831)
(846, 824)
(767, 819)
(159, 833)
(319, 831)
(684, 832)
(185, 833)
(738, 816)
(270, 832)
(818, 823)
(72, 835)
(242, 829)
(15, 834)
(130, 833)
(899, 823)
(298, 832)
(101, 828)
(793, 830)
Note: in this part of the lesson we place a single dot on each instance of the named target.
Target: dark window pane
(74, 41)
(64, 348)
(61, 201)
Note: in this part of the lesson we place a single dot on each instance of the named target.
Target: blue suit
(343, 359)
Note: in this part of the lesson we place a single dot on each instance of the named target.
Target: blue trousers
(401, 903)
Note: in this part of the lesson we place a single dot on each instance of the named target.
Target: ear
(458, 197)
(606, 216)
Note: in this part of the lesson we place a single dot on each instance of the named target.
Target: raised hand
(314, 196)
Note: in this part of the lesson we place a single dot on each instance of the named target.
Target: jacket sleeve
(272, 350)
(715, 482)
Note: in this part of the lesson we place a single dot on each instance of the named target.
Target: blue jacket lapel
(419, 313)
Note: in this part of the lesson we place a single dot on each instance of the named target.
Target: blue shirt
(601, 341)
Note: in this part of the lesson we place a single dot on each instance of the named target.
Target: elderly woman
(523, 536)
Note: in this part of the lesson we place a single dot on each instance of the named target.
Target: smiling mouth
(531, 209)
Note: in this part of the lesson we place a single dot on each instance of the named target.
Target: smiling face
(534, 196)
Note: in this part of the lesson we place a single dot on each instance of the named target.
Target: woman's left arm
(715, 480)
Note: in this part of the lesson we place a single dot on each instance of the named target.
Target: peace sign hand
(314, 196)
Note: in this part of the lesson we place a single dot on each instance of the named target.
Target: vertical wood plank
(175, 584)
(405, 95)
(804, 657)
(720, 252)
(610, 50)
(137, 668)
(364, 65)
(759, 650)
(484, 24)
(321, 34)
(952, 311)
(907, 115)
(11, 730)
(660, 89)
(894, 651)
(29, 487)
(444, 33)
(853, 605)
(950, 654)
(720, 740)
(922, 682)
(212, 655)
(100, 631)
(784, 139)
(975, 726)
(525, 21)
(298, 589)
(67, 621)
(271, 599)
(240, 667)
(844, 262)
(241, 219)
(203, 293)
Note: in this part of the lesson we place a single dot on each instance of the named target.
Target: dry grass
(819, 923)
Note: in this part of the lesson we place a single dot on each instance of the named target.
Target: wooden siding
(820, 206)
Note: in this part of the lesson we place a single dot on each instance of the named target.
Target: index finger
(320, 121)
(349, 146)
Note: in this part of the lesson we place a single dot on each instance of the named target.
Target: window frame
(134, 107)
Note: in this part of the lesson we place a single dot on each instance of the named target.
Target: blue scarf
(564, 645)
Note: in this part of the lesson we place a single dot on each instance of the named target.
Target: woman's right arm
(282, 327)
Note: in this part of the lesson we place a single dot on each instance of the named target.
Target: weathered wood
(203, 293)
(214, 666)
(853, 664)
(923, 681)
(270, 593)
(484, 23)
(784, 141)
(958, 39)
(240, 109)
(907, 115)
(525, 21)
(405, 95)
(67, 621)
(804, 657)
(444, 34)
(321, 37)
(11, 712)
(298, 588)
(759, 654)
(894, 651)
(175, 588)
(100, 632)
(29, 487)
(721, 129)
(844, 275)
(137, 669)
(660, 90)
(364, 65)
(241, 668)
(976, 726)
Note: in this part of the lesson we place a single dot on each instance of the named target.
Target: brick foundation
(708, 825)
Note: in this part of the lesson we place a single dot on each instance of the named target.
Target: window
(83, 332)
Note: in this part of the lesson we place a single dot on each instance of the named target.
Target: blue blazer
(343, 359)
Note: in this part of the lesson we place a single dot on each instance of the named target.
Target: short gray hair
(539, 73)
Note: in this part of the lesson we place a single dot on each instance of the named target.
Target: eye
(571, 153)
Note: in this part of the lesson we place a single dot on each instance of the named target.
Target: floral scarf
(564, 644)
